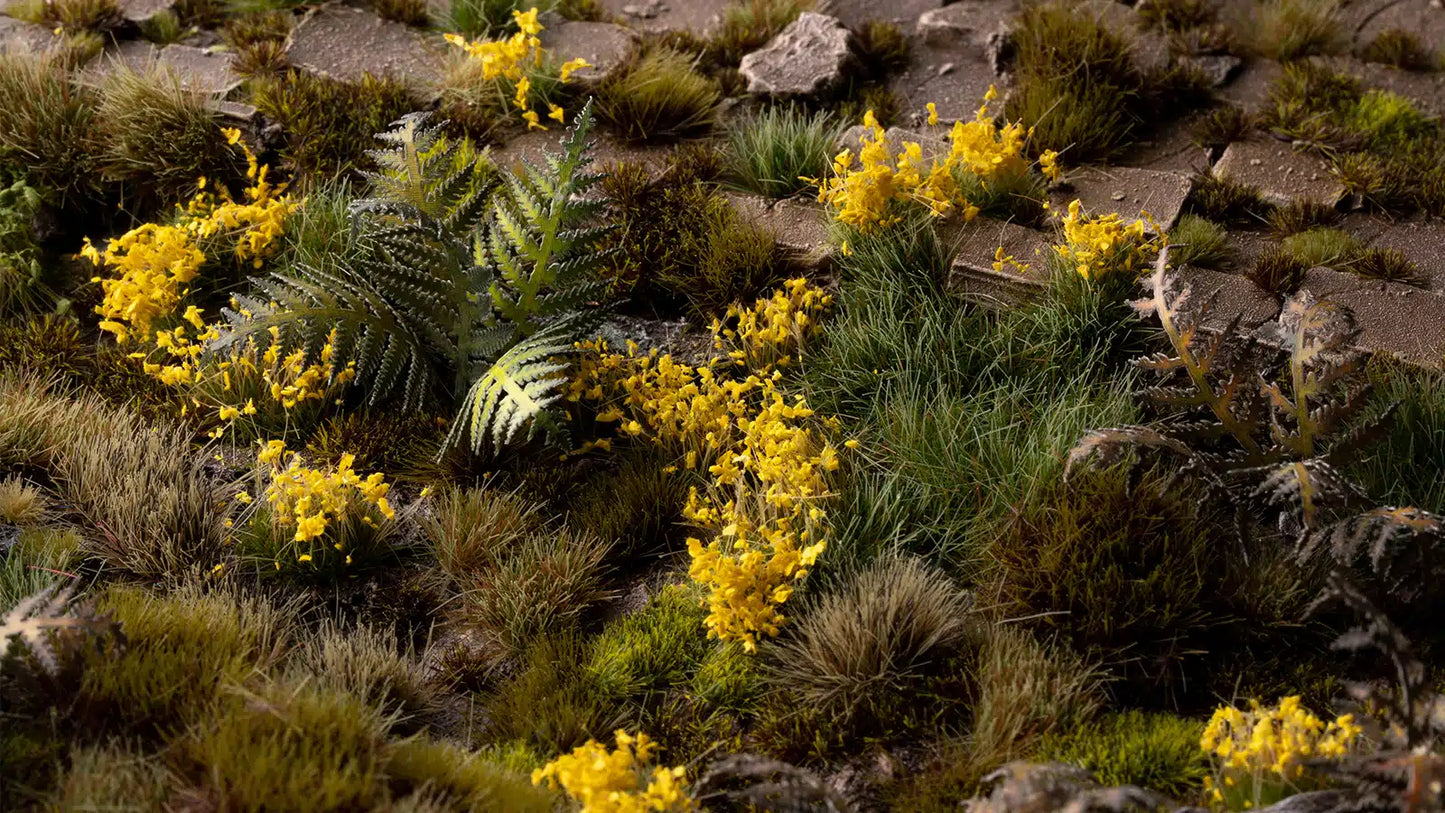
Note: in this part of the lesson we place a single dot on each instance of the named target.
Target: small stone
(200, 70)
(18, 36)
(143, 11)
(1118, 196)
(946, 68)
(812, 56)
(969, 23)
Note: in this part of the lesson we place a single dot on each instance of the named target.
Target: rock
(968, 23)
(1394, 319)
(956, 93)
(813, 55)
(531, 146)
(604, 45)
(903, 13)
(801, 229)
(200, 70)
(1225, 296)
(143, 11)
(1280, 173)
(972, 275)
(1315, 801)
(1220, 68)
(1423, 18)
(1250, 86)
(347, 43)
(1128, 191)
(18, 36)
(1423, 242)
(133, 55)
(1169, 147)
(700, 17)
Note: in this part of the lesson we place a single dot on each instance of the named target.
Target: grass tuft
(658, 96)
(1155, 751)
(329, 124)
(749, 24)
(1288, 30)
(472, 530)
(21, 503)
(47, 124)
(1389, 264)
(365, 663)
(654, 649)
(882, 47)
(1225, 200)
(552, 704)
(1277, 271)
(1401, 49)
(406, 12)
(1331, 248)
(1301, 215)
(1199, 242)
(1223, 126)
(770, 153)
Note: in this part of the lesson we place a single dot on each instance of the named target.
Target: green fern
(464, 291)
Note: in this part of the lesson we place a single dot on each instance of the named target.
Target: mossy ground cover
(332, 478)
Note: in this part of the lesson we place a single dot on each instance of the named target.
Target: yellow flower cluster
(157, 262)
(767, 462)
(1100, 247)
(864, 196)
(617, 781)
(310, 499)
(1258, 754)
(510, 60)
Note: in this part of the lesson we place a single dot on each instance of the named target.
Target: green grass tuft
(747, 25)
(770, 153)
(1301, 215)
(1331, 248)
(882, 47)
(1288, 30)
(1277, 271)
(658, 96)
(472, 530)
(1389, 264)
(406, 12)
(1401, 49)
(1155, 751)
(654, 649)
(1199, 242)
(1227, 201)
(48, 126)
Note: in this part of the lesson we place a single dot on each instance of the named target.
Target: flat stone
(701, 17)
(956, 93)
(200, 70)
(1168, 147)
(1220, 68)
(347, 43)
(605, 46)
(141, 11)
(531, 146)
(1423, 18)
(812, 56)
(972, 275)
(1129, 191)
(967, 23)
(1423, 242)
(138, 56)
(18, 36)
(1426, 90)
(1223, 297)
(903, 13)
(800, 229)
(1399, 320)
(1282, 174)
(1250, 86)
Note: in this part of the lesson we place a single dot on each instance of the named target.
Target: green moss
(455, 779)
(772, 152)
(329, 124)
(658, 96)
(1402, 49)
(1200, 242)
(658, 647)
(54, 348)
(727, 678)
(1155, 751)
(1387, 120)
(1331, 248)
(552, 704)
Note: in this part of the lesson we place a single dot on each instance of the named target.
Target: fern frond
(1400, 546)
(32, 620)
(515, 390)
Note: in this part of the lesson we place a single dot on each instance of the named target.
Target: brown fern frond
(1400, 546)
(32, 620)
(1102, 447)
(1304, 488)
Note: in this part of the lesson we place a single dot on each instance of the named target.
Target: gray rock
(18, 36)
(1126, 190)
(800, 229)
(128, 55)
(700, 17)
(604, 45)
(1423, 242)
(1250, 86)
(1220, 68)
(903, 13)
(1315, 801)
(1425, 90)
(1281, 174)
(813, 55)
(1423, 18)
(973, 276)
(200, 70)
(142, 11)
(968, 23)
(1394, 319)
(347, 43)
(1216, 298)
(956, 93)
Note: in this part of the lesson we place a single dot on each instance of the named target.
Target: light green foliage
(1331, 248)
(727, 678)
(1387, 120)
(655, 648)
(1199, 242)
(47, 125)
(111, 776)
(21, 503)
(658, 96)
(1155, 751)
(163, 28)
(179, 651)
(161, 138)
(23, 287)
(39, 559)
(859, 655)
(447, 296)
(489, 18)
(1293, 29)
(552, 704)
(454, 779)
(771, 153)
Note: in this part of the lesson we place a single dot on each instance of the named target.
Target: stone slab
(811, 57)
(1426, 90)
(347, 43)
(1281, 173)
(954, 80)
(1249, 88)
(1226, 296)
(1422, 241)
(18, 36)
(972, 275)
(903, 13)
(605, 46)
(199, 69)
(531, 146)
(701, 17)
(128, 55)
(1423, 18)
(967, 23)
(1168, 147)
(1126, 190)
(800, 229)
(140, 11)
(1399, 320)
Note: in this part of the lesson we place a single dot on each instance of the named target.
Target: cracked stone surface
(1392, 318)
(1225, 296)
(800, 229)
(531, 146)
(199, 69)
(1281, 173)
(812, 56)
(1424, 18)
(972, 275)
(1423, 242)
(346, 43)
(903, 13)
(1126, 190)
(140, 11)
(700, 17)
(954, 79)
(134, 55)
(1426, 90)
(967, 23)
(604, 45)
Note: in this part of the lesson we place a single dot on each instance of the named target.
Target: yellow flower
(534, 121)
(555, 113)
(305, 557)
(243, 498)
(932, 114)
